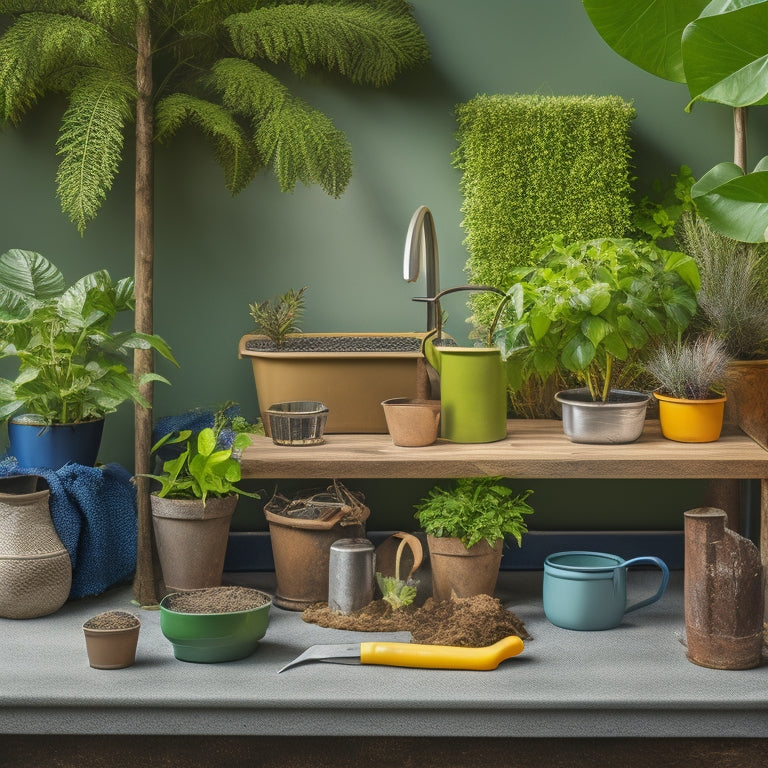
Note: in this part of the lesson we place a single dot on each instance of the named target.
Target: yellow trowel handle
(440, 656)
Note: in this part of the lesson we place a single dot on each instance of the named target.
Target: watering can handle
(664, 579)
(437, 331)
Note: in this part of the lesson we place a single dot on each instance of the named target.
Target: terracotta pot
(412, 422)
(690, 421)
(192, 540)
(35, 569)
(111, 648)
(461, 572)
(747, 406)
(302, 551)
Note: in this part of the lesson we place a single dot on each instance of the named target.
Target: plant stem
(607, 382)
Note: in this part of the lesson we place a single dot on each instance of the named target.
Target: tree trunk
(144, 583)
(740, 137)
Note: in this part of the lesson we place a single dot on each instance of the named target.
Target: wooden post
(144, 583)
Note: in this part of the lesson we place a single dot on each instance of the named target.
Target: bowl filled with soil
(111, 638)
(215, 624)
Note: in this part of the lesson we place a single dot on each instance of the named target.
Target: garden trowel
(412, 655)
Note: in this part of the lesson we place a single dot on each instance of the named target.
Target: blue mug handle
(664, 579)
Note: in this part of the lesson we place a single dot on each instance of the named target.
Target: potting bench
(564, 692)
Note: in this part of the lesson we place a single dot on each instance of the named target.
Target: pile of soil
(469, 622)
(112, 620)
(216, 600)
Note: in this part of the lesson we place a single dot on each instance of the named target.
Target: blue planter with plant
(72, 368)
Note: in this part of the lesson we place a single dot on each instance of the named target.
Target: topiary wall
(536, 165)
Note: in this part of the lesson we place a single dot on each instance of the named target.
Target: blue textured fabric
(94, 512)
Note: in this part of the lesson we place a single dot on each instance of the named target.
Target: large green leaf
(29, 275)
(646, 32)
(725, 53)
(734, 203)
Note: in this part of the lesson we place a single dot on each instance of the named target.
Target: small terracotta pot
(461, 572)
(112, 648)
(691, 421)
(412, 422)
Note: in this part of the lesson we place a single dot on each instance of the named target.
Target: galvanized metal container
(620, 419)
(351, 574)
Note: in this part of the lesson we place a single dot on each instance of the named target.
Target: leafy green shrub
(533, 166)
(590, 303)
(475, 508)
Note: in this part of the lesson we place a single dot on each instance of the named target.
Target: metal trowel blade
(336, 653)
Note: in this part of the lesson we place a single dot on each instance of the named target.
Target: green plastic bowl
(213, 637)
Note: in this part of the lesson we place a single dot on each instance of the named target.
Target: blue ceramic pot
(588, 590)
(52, 446)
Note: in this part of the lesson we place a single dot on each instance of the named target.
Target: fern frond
(364, 42)
(118, 16)
(300, 143)
(233, 148)
(72, 7)
(46, 52)
(91, 142)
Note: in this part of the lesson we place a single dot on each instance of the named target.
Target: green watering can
(473, 387)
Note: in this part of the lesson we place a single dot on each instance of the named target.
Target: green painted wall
(215, 253)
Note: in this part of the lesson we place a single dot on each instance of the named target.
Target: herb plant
(203, 468)
(590, 303)
(276, 320)
(690, 370)
(475, 508)
(72, 365)
(396, 592)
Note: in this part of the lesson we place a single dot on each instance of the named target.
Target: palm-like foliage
(208, 62)
(212, 63)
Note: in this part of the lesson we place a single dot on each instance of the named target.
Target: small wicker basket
(299, 422)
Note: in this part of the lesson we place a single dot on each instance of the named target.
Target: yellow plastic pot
(691, 421)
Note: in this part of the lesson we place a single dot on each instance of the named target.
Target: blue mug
(588, 590)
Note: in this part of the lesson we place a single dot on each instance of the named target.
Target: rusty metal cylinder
(723, 593)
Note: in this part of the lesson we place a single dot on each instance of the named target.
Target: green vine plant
(278, 319)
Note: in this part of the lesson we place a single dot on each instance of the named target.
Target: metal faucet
(421, 246)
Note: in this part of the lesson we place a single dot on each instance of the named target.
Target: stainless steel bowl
(620, 419)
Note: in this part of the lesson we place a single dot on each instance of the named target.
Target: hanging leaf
(733, 203)
(646, 32)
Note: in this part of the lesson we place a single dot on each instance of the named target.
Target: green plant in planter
(694, 369)
(733, 297)
(476, 508)
(204, 468)
(276, 320)
(71, 362)
(589, 304)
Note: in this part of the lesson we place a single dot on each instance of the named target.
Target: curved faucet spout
(421, 247)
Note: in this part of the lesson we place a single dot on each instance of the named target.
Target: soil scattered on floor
(112, 620)
(469, 622)
(216, 600)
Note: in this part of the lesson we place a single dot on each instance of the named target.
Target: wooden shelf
(532, 449)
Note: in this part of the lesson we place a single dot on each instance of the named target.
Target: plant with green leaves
(475, 509)
(71, 364)
(219, 67)
(279, 318)
(719, 50)
(399, 594)
(204, 467)
(691, 369)
(589, 304)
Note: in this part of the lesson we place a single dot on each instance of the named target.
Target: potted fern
(691, 376)
(466, 527)
(194, 504)
(72, 368)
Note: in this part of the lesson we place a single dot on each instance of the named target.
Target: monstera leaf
(646, 32)
(735, 203)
